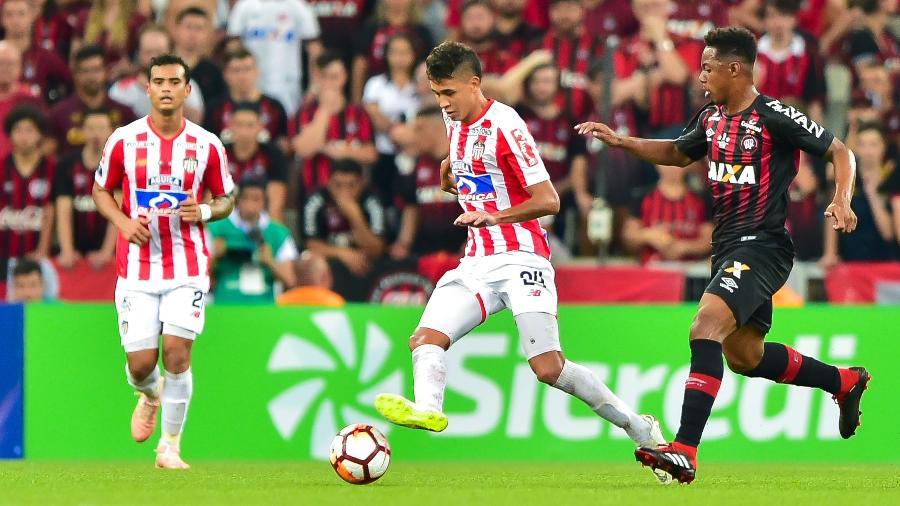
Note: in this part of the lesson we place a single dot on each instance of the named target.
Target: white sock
(429, 376)
(148, 385)
(176, 396)
(580, 382)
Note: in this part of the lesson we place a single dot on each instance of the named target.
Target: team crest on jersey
(478, 150)
(528, 151)
(749, 144)
(39, 188)
(190, 164)
(476, 188)
(732, 173)
(159, 202)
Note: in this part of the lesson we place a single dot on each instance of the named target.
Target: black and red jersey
(338, 19)
(373, 39)
(271, 113)
(437, 209)
(76, 180)
(23, 202)
(753, 156)
(352, 125)
(267, 162)
(794, 74)
(682, 217)
(556, 140)
(574, 57)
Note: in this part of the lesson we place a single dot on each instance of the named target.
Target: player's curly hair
(25, 112)
(733, 41)
(450, 57)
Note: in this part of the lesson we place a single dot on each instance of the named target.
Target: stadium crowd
(335, 139)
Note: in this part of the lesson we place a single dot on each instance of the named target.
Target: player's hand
(844, 217)
(829, 260)
(355, 260)
(264, 254)
(68, 258)
(136, 231)
(98, 259)
(448, 180)
(190, 209)
(399, 251)
(477, 219)
(600, 131)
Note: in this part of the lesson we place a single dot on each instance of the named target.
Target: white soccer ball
(360, 454)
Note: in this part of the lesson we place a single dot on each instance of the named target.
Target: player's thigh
(182, 311)
(455, 309)
(538, 335)
(138, 318)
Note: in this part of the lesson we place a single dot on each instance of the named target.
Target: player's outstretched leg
(747, 354)
(143, 375)
(176, 397)
(539, 333)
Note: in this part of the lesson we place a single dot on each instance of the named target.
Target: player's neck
(672, 190)
(192, 58)
(482, 104)
(243, 151)
(167, 126)
(26, 161)
(740, 100)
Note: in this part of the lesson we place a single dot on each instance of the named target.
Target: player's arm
(844, 176)
(135, 231)
(544, 201)
(217, 178)
(660, 152)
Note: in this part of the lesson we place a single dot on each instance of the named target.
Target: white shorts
(481, 286)
(144, 315)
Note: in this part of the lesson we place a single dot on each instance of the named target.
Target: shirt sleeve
(692, 141)
(517, 150)
(791, 126)
(111, 170)
(372, 90)
(63, 186)
(217, 177)
(307, 22)
(287, 252)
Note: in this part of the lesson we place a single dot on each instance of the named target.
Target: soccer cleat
(655, 438)
(143, 419)
(668, 458)
(848, 402)
(401, 411)
(169, 457)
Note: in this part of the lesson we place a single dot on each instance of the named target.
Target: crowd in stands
(336, 140)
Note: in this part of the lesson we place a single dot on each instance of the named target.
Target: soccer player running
(164, 165)
(752, 144)
(503, 187)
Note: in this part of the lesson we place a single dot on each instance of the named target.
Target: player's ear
(475, 82)
(735, 68)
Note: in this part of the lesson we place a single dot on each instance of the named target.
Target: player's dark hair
(474, 3)
(87, 52)
(169, 59)
(867, 6)
(251, 180)
(238, 54)
(191, 11)
(97, 111)
(245, 107)
(865, 126)
(25, 113)
(734, 42)
(25, 266)
(411, 71)
(789, 7)
(329, 57)
(345, 166)
(526, 85)
(450, 57)
(429, 111)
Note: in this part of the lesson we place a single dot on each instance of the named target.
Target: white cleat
(655, 438)
(169, 457)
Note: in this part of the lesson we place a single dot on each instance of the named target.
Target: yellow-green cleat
(401, 411)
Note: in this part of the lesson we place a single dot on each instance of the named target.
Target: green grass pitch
(433, 483)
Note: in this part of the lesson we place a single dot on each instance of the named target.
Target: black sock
(700, 389)
(783, 364)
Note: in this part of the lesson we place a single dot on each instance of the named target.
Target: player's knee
(427, 336)
(141, 369)
(709, 325)
(547, 373)
(176, 359)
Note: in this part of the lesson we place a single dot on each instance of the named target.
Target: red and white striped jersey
(494, 159)
(155, 174)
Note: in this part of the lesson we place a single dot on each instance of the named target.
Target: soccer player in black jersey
(752, 144)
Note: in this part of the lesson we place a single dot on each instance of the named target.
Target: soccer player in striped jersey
(752, 143)
(164, 165)
(501, 183)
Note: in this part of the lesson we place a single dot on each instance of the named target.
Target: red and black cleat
(848, 401)
(678, 462)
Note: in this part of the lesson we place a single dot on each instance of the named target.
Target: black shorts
(745, 274)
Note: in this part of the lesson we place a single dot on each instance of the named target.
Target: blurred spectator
(874, 39)
(27, 282)
(391, 17)
(81, 231)
(275, 31)
(313, 286)
(513, 32)
(875, 203)
(653, 69)
(804, 220)
(574, 49)
(90, 93)
(875, 99)
(564, 152)
(340, 20)
(167, 11)
(427, 212)
(242, 76)
(114, 25)
(192, 36)
(787, 64)
(434, 17)
(252, 252)
(404, 134)
(327, 128)
(344, 222)
(12, 91)
(693, 19)
(131, 90)
(669, 222)
(26, 181)
(42, 69)
(387, 99)
(477, 30)
(609, 18)
(52, 30)
(262, 160)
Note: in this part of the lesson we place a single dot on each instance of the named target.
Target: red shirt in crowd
(66, 116)
(421, 186)
(611, 17)
(556, 140)
(74, 179)
(683, 217)
(372, 43)
(47, 73)
(795, 73)
(271, 113)
(267, 162)
(574, 57)
(23, 202)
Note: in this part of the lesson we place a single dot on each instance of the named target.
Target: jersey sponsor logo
(460, 167)
(723, 140)
(159, 202)
(798, 118)
(476, 188)
(39, 188)
(710, 133)
(140, 144)
(486, 132)
(270, 34)
(22, 220)
(165, 179)
(751, 126)
(737, 268)
(749, 144)
(729, 284)
(732, 173)
(528, 151)
(193, 146)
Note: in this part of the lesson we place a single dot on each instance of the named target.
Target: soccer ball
(360, 454)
